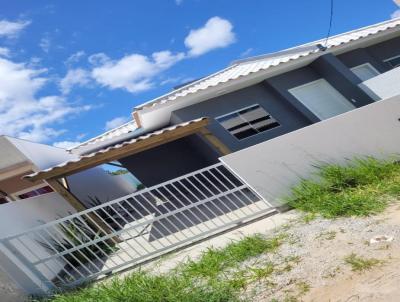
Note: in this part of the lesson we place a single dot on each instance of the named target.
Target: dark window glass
(395, 62)
(36, 192)
(248, 122)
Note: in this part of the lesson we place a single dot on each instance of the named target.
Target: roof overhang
(156, 113)
(121, 150)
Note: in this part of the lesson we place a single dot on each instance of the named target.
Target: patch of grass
(213, 261)
(355, 189)
(303, 287)
(143, 287)
(359, 264)
(260, 273)
(207, 279)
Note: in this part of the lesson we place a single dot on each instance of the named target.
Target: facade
(196, 152)
(260, 98)
(249, 102)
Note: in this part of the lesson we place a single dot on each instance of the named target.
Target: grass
(206, 279)
(359, 264)
(213, 261)
(360, 188)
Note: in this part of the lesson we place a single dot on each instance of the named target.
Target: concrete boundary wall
(273, 167)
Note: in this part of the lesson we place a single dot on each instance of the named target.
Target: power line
(330, 25)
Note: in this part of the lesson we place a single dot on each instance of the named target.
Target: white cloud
(114, 123)
(216, 33)
(134, 72)
(4, 52)
(45, 44)
(12, 29)
(66, 144)
(74, 77)
(74, 58)
(22, 113)
(395, 14)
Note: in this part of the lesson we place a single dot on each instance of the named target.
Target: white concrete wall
(383, 86)
(22, 215)
(98, 183)
(273, 167)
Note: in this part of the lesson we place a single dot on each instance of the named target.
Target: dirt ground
(380, 283)
(311, 266)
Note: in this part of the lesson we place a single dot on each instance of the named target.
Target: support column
(214, 141)
(342, 78)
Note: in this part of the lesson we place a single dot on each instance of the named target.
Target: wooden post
(214, 141)
(79, 206)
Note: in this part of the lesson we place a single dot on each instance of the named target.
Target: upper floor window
(365, 71)
(247, 122)
(393, 62)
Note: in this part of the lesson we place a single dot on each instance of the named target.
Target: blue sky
(69, 70)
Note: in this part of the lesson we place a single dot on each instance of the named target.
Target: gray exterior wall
(189, 154)
(288, 116)
(375, 55)
(170, 160)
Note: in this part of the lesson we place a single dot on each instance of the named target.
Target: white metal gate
(144, 225)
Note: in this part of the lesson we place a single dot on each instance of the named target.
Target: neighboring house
(25, 204)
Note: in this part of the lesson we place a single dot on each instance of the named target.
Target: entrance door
(322, 99)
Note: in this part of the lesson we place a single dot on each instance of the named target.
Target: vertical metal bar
(39, 259)
(122, 229)
(62, 256)
(198, 208)
(255, 203)
(204, 204)
(109, 257)
(160, 221)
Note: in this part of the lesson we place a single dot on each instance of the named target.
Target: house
(173, 146)
(251, 101)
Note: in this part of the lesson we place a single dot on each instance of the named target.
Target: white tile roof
(246, 67)
(113, 133)
(116, 146)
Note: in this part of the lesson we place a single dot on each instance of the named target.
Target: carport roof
(120, 150)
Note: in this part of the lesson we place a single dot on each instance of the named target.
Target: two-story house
(251, 101)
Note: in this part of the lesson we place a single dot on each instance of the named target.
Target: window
(365, 71)
(393, 62)
(247, 122)
(321, 99)
(31, 193)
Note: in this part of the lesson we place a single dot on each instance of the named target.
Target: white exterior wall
(22, 215)
(98, 183)
(383, 86)
(273, 167)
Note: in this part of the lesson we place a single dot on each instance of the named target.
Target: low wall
(383, 86)
(19, 216)
(273, 167)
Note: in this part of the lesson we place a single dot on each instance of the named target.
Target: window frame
(15, 195)
(365, 64)
(241, 109)
(391, 58)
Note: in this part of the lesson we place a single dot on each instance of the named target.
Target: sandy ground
(380, 283)
(319, 272)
